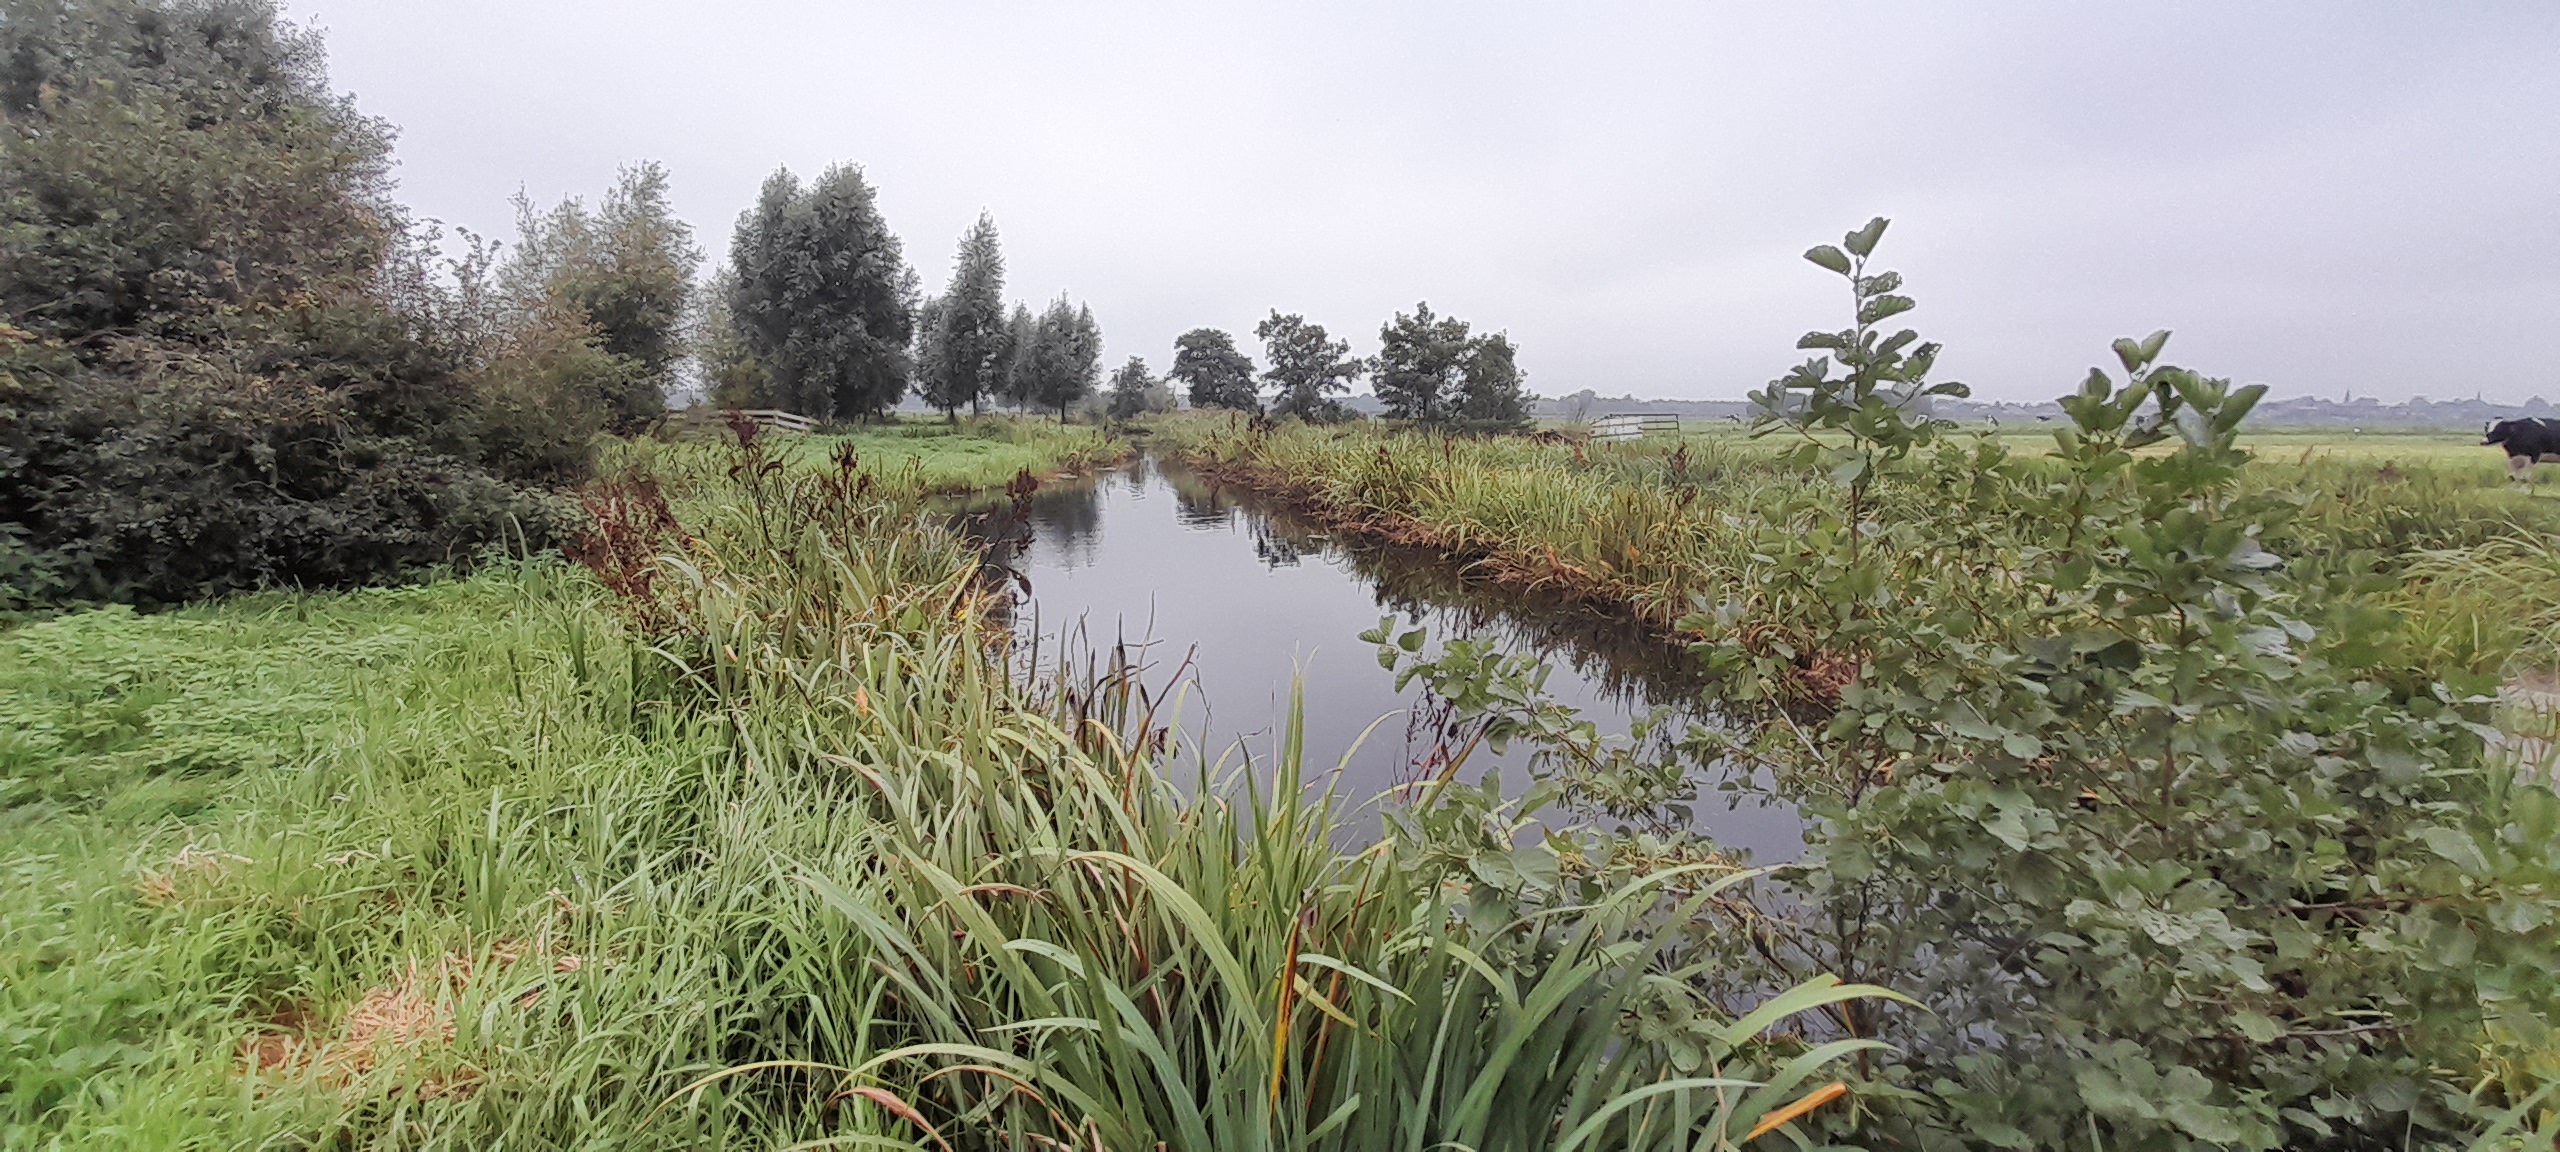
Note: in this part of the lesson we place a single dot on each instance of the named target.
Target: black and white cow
(2526, 442)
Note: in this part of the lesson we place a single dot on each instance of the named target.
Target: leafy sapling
(1877, 408)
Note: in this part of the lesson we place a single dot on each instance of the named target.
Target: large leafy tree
(824, 297)
(962, 357)
(1307, 366)
(171, 168)
(1434, 370)
(1420, 359)
(1216, 375)
(1492, 389)
(1136, 392)
(625, 271)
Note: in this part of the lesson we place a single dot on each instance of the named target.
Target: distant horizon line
(2348, 400)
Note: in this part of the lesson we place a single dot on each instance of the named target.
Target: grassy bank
(976, 452)
(1659, 528)
(739, 836)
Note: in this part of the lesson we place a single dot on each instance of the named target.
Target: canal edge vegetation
(732, 829)
(784, 817)
(2335, 612)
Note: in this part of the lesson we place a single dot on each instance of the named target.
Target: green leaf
(1849, 860)
(2000, 1135)
(2010, 826)
(1815, 993)
(1884, 308)
(1967, 722)
(2456, 846)
(2108, 1096)
(2205, 1122)
(1829, 257)
(1863, 241)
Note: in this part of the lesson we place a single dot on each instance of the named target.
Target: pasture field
(738, 834)
(2453, 451)
(977, 452)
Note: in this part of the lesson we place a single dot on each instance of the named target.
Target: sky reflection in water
(1237, 598)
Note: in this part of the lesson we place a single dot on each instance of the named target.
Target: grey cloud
(2321, 196)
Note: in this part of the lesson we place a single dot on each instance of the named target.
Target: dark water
(1231, 600)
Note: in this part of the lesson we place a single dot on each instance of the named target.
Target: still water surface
(1232, 599)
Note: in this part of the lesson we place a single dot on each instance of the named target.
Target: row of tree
(818, 313)
(229, 359)
(1429, 369)
(971, 351)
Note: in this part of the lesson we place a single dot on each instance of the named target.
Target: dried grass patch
(405, 1021)
(193, 874)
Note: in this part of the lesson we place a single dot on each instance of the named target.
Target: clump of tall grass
(1072, 946)
(1622, 522)
(2490, 605)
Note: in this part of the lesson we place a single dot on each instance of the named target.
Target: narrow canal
(1230, 600)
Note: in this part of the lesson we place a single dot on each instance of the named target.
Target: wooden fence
(1633, 426)
(706, 419)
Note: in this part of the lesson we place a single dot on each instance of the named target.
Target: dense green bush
(2141, 776)
(158, 487)
(219, 369)
(619, 280)
(2178, 840)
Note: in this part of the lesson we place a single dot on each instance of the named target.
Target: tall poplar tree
(824, 296)
(1021, 331)
(1063, 361)
(969, 332)
(928, 355)
(625, 272)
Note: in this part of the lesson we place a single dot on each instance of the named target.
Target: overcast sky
(2326, 197)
